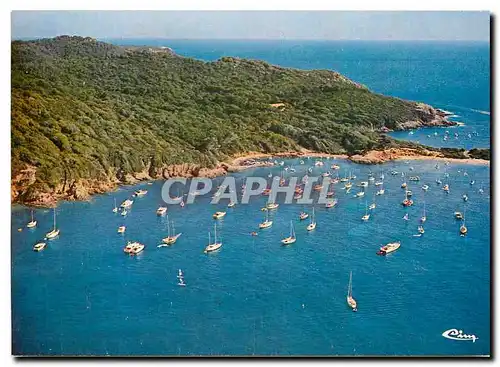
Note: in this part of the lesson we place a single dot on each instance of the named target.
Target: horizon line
(249, 39)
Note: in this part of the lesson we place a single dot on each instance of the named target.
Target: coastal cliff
(88, 116)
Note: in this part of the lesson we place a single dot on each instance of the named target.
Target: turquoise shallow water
(83, 295)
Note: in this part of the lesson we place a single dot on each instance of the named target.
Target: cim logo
(455, 334)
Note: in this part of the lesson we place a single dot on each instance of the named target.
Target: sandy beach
(371, 157)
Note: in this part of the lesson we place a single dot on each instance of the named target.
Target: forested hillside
(83, 109)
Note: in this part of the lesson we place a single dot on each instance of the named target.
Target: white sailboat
(366, 216)
(267, 223)
(423, 218)
(211, 247)
(172, 236)
(55, 232)
(31, 224)
(312, 224)
(381, 191)
(290, 239)
(350, 300)
(463, 228)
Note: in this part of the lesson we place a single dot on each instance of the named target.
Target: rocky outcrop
(382, 156)
(427, 116)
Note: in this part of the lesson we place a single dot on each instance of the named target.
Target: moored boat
(55, 232)
(161, 210)
(32, 223)
(387, 249)
(127, 203)
(40, 246)
(140, 193)
(290, 239)
(312, 224)
(219, 215)
(267, 223)
(351, 302)
(330, 203)
(121, 229)
(212, 247)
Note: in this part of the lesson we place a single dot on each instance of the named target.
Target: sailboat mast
(215, 233)
(349, 288)
(54, 219)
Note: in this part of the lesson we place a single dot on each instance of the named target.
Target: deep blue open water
(83, 295)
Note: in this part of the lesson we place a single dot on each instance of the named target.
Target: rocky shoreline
(23, 192)
(83, 189)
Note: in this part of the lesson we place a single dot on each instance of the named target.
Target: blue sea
(83, 295)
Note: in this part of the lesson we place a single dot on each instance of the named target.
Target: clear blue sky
(328, 25)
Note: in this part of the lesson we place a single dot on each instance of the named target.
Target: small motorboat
(331, 203)
(133, 248)
(465, 197)
(446, 188)
(231, 204)
(218, 215)
(303, 215)
(124, 212)
(127, 203)
(372, 206)
(359, 194)
(379, 183)
(380, 192)
(387, 249)
(421, 230)
(425, 187)
(136, 249)
(121, 229)
(161, 210)
(271, 206)
(458, 215)
(140, 193)
(463, 230)
(403, 185)
(317, 187)
(351, 302)
(40, 246)
(438, 181)
(407, 202)
(408, 193)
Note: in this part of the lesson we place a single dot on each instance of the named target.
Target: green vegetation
(87, 109)
(479, 153)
